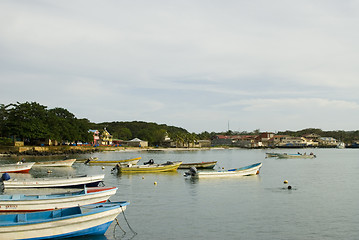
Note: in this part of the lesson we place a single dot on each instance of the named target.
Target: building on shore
(136, 142)
(267, 139)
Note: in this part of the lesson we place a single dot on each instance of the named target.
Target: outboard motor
(150, 162)
(191, 173)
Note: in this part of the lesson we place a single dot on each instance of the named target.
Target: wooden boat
(92, 219)
(285, 155)
(150, 168)
(86, 159)
(30, 203)
(199, 165)
(235, 172)
(270, 155)
(80, 181)
(20, 167)
(59, 163)
(132, 161)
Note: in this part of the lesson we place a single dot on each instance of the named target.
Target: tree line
(31, 122)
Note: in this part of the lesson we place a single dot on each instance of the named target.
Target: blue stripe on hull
(98, 230)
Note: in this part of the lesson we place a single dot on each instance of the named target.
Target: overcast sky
(203, 65)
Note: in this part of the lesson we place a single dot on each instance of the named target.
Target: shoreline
(64, 150)
(68, 150)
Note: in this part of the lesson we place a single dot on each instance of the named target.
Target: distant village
(262, 140)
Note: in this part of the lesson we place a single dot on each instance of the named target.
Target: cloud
(195, 64)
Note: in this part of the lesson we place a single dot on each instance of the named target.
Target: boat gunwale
(94, 209)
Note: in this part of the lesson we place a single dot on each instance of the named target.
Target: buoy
(155, 183)
(103, 167)
(285, 182)
(49, 171)
(143, 177)
(289, 187)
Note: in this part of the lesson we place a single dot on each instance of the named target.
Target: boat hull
(60, 163)
(20, 203)
(295, 156)
(94, 222)
(201, 165)
(134, 162)
(272, 155)
(89, 181)
(16, 168)
(246, 171)
(150, 168)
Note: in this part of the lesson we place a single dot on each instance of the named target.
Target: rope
(118, 224)
(128, 224)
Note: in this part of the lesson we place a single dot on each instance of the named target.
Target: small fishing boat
(235, 172)
(132, 161)
(150, 168)
(271, 155)
(86, 159)
(298, 155)
(79, 181)
(92, 219)
(20, 167)
(30, 203)
(199, 165)
(59, 163)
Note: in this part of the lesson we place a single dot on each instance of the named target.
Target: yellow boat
(150, 168)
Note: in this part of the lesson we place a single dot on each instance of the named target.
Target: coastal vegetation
(32, 122)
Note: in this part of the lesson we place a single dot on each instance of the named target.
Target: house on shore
(136, 142)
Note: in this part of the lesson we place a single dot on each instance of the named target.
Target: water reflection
(39, 172)
(130, 175)
(91, 237)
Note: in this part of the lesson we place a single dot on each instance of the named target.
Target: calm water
(321, 205)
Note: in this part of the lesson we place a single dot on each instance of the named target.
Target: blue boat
(92, 219)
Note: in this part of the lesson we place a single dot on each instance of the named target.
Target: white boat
(235, 172)
(78, 221)
(20, 167)
(89, 181)
(270, 155)
(30, 203)
(58, 163)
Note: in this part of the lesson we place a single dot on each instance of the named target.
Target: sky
(202, 65)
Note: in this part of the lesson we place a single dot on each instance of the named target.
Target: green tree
(27, 121)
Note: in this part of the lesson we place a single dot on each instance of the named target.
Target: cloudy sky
(204, 65)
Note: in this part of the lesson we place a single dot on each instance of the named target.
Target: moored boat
(30, 203)
(199, 165)
(150, 168)
(92, 219)
(86, 159)
(132, 161)
(58, 163)
(80, 181)
(20, 167)
(270, 155)
(298, 155)
(235, 172)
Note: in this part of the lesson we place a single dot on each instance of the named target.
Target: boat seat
(57, 213)
(16, 197)
(21, 217)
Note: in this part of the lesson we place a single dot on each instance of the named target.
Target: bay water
(322, 203)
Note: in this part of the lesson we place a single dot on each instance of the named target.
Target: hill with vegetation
(31, 122)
